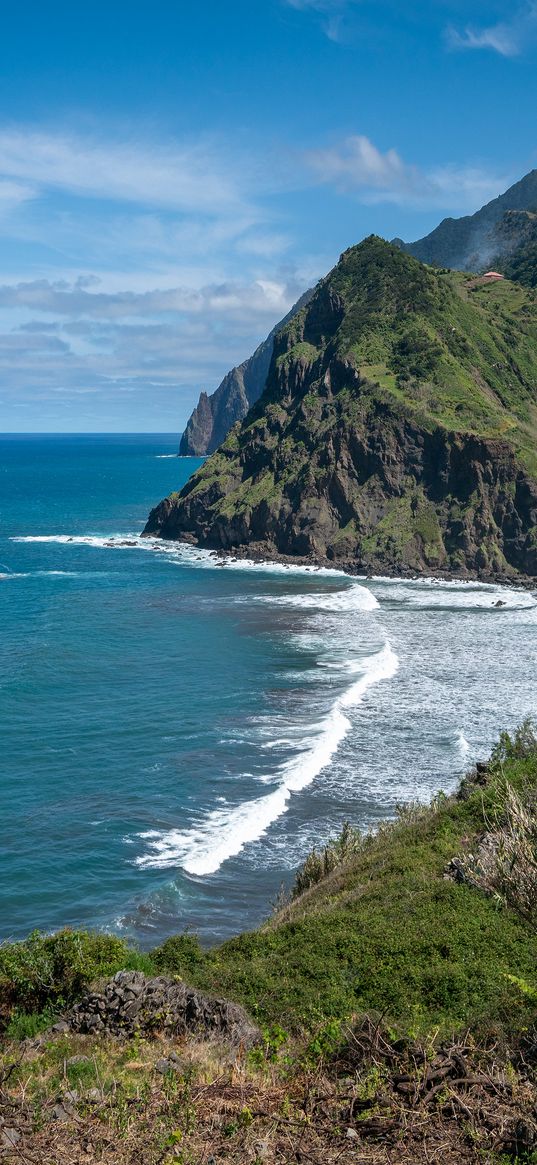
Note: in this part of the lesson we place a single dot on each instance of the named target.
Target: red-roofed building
(492, 275)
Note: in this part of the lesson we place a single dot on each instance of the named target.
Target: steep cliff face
(215, 415)
(397, 431)
(473, 242)
(517, 253)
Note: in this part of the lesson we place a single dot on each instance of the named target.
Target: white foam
(434, 594)
(52, 574)
(420, 592)
(224, 832)
(354, 598)
(165, 456)
(463, 746)
(180, 553)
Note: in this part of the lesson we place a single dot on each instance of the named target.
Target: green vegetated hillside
(397, 430)
(431, 921)
(395, 989)
(416, 921)
(518, 232)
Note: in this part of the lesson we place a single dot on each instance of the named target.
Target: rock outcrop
(131, 1003)
(215, 415)
(397, 432)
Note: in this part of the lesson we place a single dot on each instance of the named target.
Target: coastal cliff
(216, 414)
(397, 431)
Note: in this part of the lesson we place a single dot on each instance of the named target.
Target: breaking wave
(225, 831)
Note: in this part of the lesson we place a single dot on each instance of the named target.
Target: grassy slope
(388, 931)
(456, 353)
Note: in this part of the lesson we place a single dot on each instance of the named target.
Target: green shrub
(52, 970)
(179, 955)
(319, 864)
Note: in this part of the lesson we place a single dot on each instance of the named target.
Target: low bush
(51, 970)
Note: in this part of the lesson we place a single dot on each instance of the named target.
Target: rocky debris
(65, 1109)
(60, 1028)
(9, 1138)
(94, 1096)
(131, 1003)
(169, 1063)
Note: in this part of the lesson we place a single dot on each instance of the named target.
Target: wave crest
(224, 832)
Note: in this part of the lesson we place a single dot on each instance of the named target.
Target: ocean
(178, 731)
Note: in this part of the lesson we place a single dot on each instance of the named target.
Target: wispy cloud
(158, 266)
(332, 13)
(356, 165)
(509, 38)
(178, 177)
(12, 194)
(71, 339)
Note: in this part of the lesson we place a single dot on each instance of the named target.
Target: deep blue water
(176, 733)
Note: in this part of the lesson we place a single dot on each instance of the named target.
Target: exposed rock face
(131, 1003)
(517, 250)
(215, 415)
(379, 443)
(471, 243)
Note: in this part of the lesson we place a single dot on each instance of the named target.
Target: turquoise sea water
(177, 732)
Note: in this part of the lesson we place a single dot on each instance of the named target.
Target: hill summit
(397, 431)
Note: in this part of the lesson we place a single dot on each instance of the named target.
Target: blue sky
(174, 174)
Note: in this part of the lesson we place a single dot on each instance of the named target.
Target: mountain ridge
(474, 241)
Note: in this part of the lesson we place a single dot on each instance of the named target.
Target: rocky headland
(396, 433)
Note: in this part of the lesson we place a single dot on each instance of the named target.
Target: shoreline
(258, 554)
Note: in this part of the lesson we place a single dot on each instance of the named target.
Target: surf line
(202, 849)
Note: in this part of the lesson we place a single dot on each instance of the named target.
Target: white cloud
(187, 177)
(357, 165)
(142, 263)
(157, 348)
(258, 299)
(509, 38)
